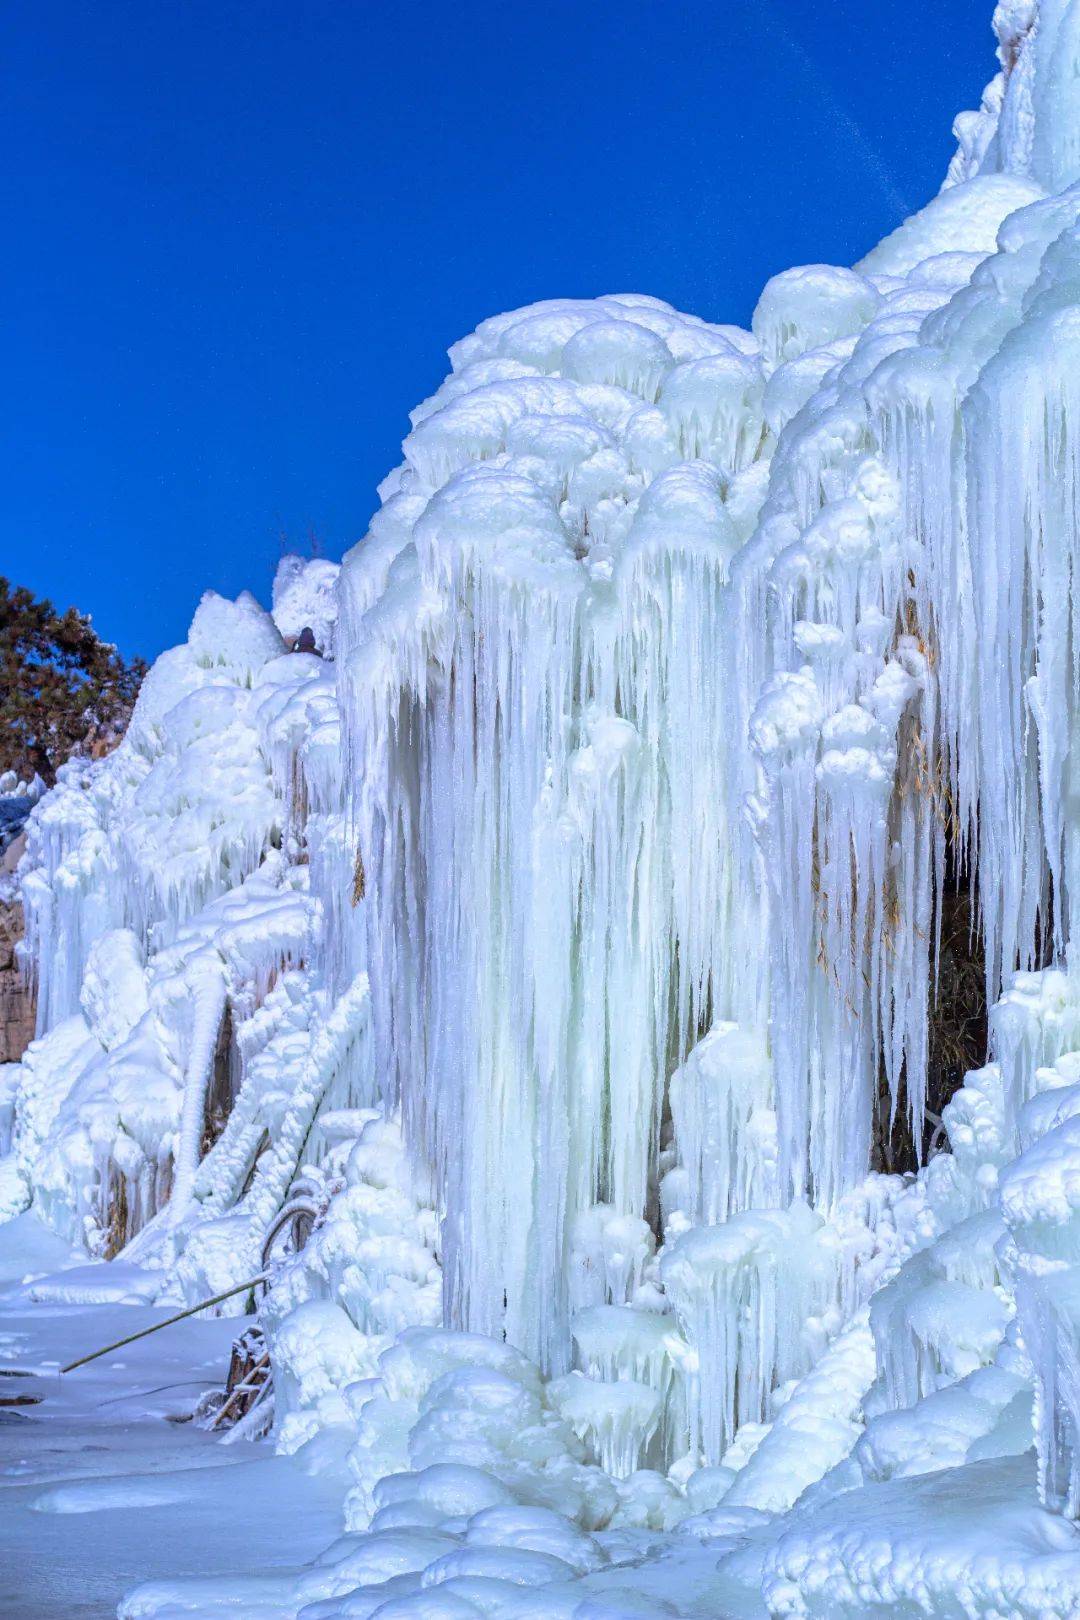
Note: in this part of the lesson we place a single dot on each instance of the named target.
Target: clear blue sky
(240, 234)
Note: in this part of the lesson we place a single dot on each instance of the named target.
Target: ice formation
(559, 934)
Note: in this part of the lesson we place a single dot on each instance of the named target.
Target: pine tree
(62, 689)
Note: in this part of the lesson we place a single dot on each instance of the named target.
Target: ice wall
(640, 745)
(575, 921)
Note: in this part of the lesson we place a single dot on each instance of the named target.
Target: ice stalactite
(551, 903)
(725, 1126)
(615, 1344)
(1024, 536)
(742, 1294)
(207, 988)
(891, 737)
(616, 1419)
(609, 1257)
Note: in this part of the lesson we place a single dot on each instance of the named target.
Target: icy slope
(560, 942)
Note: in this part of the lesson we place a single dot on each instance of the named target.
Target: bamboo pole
(169, 1320)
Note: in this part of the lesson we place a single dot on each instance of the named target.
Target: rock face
(16, 995)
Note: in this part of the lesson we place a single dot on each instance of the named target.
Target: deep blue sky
(240, 234)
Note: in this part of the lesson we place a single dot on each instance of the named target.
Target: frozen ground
(99, 1490)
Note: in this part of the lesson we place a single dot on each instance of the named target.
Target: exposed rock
(16, 993)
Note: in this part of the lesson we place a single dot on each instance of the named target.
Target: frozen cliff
(560, 937)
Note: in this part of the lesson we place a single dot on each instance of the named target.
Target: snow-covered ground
(100, 1487)
(513, 972)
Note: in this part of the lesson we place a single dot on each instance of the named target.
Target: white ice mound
(237, 636)
(964, 219)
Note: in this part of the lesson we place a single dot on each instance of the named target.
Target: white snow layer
(548, 935)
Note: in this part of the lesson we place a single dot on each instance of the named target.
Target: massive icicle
(554, 910)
